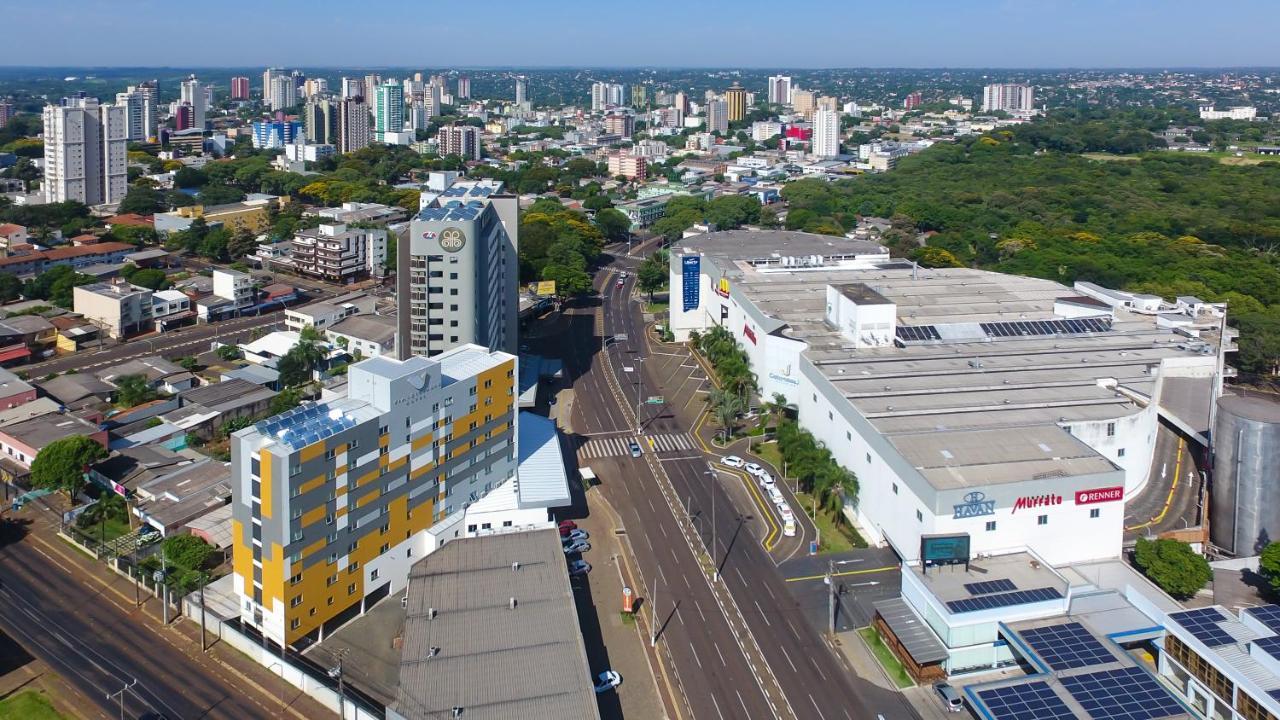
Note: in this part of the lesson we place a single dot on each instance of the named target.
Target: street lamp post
(831, 593)
(653, 612)
(639, 389)
(715, 561)
(336, 673)
(120, 693)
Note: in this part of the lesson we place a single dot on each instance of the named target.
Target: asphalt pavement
(813, 680)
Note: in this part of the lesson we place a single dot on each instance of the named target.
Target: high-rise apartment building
(826, 102)
(353, 87)
(779, 90)
(681, 101)
(332, 502)
(140, 112)
(339, 253)
(639, 95)
(279, 90)
(622, 124)
(463, 140)
(240, 88)
(736, 100)
(718, 116)
(7, 111)
(631, 167)
(522, 89)
(458, 273)
(315, 87)
(353, 125)
(192, 92)
(320, 117)
(85, 152)
(826, 133)
(913, 101)
(802, 101)
(274, 134)
(388, 110)
(433, 97)
(1008, 97)
(182, 117)
(464, 87)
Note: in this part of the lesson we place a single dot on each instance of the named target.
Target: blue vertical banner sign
(691, 265)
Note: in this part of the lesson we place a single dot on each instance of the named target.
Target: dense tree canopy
(1173, 565)
(61, 464)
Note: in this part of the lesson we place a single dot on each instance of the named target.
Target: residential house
(160, 374)
(364, 335)
(22, 441)
(14, 391)
(232, 399)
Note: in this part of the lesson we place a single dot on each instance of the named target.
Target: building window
(351, 589)
(1042, 520)
(296, 601)
(1095, 512)
(919, 516)
(329, 602)
(991, 525)
(868, 458)
(294, 623)
(1111, 429)
(353, 567)
(1120, 453)
(895, 488)
(295, 579)
(374, 574)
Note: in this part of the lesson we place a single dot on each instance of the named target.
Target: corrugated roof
(541, 474)
(493, 661)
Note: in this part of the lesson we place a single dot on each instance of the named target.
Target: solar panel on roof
(1019, 597)
(1274, 693)
(1025, 701)
(1202, 623)
(1270, 645)
(917, 333)
(1125, 694)
(1067, 646)
(990, 586)
(1021, 328)
(1268, 615)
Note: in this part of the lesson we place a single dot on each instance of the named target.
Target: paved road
(1170, 499)
(98, 641)
(175, 343)
(814, 682)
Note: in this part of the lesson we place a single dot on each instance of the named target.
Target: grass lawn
(656, 307)
(886, 658)
(115, 527)
(28, 705)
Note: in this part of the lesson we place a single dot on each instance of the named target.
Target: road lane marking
(843, 573)
(695, 655)
(765, 617)
(787, 655)
(722, 662)
(744, 704)
(717, 706)
(815, 707)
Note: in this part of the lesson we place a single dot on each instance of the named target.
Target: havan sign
(975, 504)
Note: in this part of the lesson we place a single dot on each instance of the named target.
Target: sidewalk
(36, 677)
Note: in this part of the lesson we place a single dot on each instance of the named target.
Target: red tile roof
(8, 229)
(65, 253)
(131, 219)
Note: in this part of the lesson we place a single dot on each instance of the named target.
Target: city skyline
(1045, 34)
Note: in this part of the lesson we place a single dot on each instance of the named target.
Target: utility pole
(336, 673)
(831, 599)
(204, 647)
(120, 693)
(639, 389)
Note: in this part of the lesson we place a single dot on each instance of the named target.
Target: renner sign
(1099, 495)
(1036, 501)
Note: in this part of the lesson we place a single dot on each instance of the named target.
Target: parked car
(765, 479)
(621, 283)
(578, 568)
(753, 469)
(635, 449)
(577, 546)
(732, 461)
(567, 525)
(785, 511)
(950, 697)
(574, 536)
(607, 681)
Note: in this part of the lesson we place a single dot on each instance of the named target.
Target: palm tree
(726, 406)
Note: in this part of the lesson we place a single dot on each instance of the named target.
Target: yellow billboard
(546, 287)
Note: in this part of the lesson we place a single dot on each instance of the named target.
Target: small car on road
(576, 546)
(574, 536)
(634, 447)
(950, 697)
(732, 461)
(753, 469)
(578, 568)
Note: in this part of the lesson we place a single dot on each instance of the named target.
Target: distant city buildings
(192, 92)
(639, 95)
(352, 87)
(826, 133)
(621, 123)
(522, 89)
(718, 116)
(388, 110)
(85, 152)
(802, 102)
(762, 130)
(320, 119)
(463, 140)
(631, 167)
(464, 87)
(140, 111)
(279, 90)
(339, 253)
(1008, 97)
(1207, 112)
(605, 95)
(7, 111)
(912, 101)
(354, 131)
(736, 100)
(779, 90)
(275, 134)
(240, 88)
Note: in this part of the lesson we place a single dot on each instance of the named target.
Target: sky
(692, 33)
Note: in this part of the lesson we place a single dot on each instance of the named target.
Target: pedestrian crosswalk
(620, 446)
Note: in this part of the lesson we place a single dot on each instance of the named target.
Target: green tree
(62, 464)
(143, 201)
(651, 276)
(10, 287)
(1269, 565)
(726, 406)
(286, 399)
(1173, 565)
(133, 390)
(613, 224)
(151, 278)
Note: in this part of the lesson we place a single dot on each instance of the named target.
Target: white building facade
(85, 152)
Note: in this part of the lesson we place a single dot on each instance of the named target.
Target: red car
(566, 527)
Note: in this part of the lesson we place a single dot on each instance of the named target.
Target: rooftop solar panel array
(1125, 694)
(1268, 615)
(305, 424)
(1018, 597)
(990, 586)
(1025, 701)
(1270, 645)
(1067, 646)
(1202, 623)
(916, 333)
(1023, 328)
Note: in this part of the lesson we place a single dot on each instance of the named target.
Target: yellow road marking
(868, 571)
(771, 539)
(1168, 501)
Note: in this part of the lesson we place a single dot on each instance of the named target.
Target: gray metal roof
(920, 642)
(494, 661)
